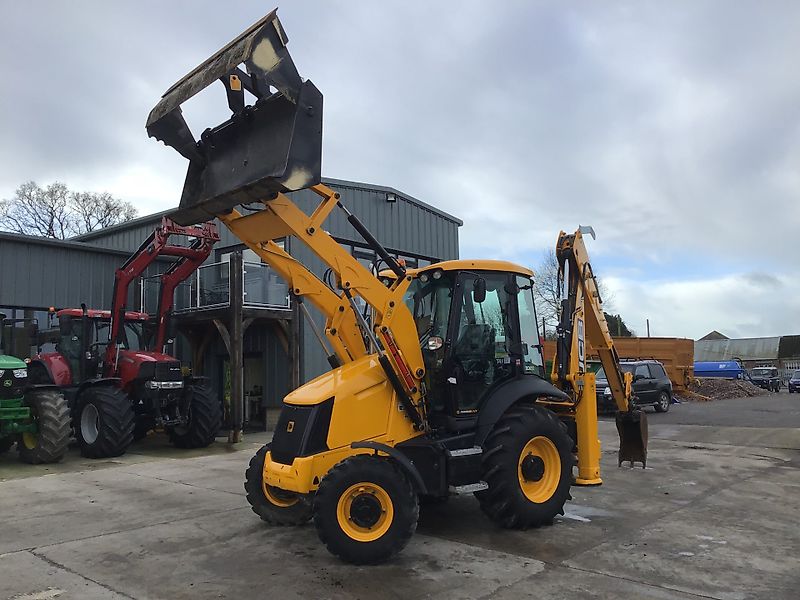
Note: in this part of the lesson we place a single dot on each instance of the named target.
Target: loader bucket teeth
(632, 429)
(271, 146)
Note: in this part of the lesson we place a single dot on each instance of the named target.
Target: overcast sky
(673, 128)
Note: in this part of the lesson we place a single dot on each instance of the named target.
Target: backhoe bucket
(632, 429)
(273, 146)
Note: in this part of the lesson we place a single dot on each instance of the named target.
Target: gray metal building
(40, 273)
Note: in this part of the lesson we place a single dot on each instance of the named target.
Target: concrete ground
(713, 516)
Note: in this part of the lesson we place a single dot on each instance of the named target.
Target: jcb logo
(290, 427)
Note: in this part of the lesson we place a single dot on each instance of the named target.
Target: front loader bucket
(632, 429)
(273, 146)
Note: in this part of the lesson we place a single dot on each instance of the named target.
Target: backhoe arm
(582, 325)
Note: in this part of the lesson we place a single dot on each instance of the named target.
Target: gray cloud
(672, 128)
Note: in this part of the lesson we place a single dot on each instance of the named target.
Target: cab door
(480, 338)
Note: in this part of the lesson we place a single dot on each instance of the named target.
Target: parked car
(794, 382)
(767, 378)
(651, 386)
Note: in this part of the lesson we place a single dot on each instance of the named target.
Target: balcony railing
(210, 287)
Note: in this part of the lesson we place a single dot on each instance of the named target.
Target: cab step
(465, 452)
(469, 488)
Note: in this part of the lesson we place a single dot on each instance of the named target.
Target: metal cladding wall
(39, 272)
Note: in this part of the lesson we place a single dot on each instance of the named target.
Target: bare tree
(56, 212)
(548, 296)
(38, 211)
(98, 210)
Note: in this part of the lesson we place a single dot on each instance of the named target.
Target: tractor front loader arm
(187, 260)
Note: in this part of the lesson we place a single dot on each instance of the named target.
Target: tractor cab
(477, 329)
(83, 339)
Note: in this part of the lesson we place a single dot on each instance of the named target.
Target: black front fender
(527, 387)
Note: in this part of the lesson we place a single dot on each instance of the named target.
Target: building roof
(72, 243)
(335, 183)
(714, 335)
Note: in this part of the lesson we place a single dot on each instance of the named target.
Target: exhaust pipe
(273, 145)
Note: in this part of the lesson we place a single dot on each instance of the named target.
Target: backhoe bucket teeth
(632, 429)
(274, 145)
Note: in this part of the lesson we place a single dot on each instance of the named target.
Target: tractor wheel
(6, 443)
(662, 405)
(51, 415)
(527, 462)
(103, 422)
(205, 419)
(275, 506)
(365, 510)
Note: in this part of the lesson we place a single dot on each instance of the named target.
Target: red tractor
(112, 365)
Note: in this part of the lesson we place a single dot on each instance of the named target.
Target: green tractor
(34, 417)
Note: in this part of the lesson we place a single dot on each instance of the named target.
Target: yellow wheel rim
(539, 469)
(365, 512)
(279, 497)
(29, 440)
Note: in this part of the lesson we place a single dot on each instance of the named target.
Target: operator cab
(477, 329)
(86, 341)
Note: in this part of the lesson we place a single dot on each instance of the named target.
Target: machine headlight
(607, 391)
(2, 372)
(20, 373)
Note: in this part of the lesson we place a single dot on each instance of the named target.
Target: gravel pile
(704, 389)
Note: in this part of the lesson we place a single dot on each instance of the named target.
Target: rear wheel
(365, 510)
(103, 422)
(51, 415)
(662, 405)
(275, 506)
(205, 419)
(527, 463)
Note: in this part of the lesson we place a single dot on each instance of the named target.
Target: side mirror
(638, 377)
(479, 290)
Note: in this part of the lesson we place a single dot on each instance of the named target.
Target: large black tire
(205, 419)
(6, 443)
(103, 422)
(527, 462)
(273, 505)
(662, 405)
(51, 415)
(365, 510)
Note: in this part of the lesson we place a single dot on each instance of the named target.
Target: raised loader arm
(239, 170)
(583, 323)
(188, 259)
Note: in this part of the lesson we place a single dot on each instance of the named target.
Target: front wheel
(51, 415)
(6, 443)
(205, 419)
(662, 405)
(103, 422)
(365, 510)
(274, 505)
(527, 463)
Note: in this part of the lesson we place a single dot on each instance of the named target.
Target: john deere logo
(290, 427)
(7, 382)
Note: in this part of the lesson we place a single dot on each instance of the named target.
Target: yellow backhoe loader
(440, 389)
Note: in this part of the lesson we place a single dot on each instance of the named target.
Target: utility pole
(648, 327)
